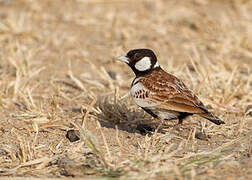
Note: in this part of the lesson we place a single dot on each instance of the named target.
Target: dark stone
(73, 135)
(201, 136)
(112, 74)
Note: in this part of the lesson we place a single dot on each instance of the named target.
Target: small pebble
(73, 135)
(201, 136)
(112, 74)
(191, 68)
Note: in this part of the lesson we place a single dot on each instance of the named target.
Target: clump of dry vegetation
(58, 71)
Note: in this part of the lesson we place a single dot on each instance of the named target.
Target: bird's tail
(211, 117)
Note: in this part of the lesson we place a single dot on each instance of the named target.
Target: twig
(88, 111)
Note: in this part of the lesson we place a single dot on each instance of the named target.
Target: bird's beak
(123, 59)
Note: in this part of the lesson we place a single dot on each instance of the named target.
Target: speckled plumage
(161, 94)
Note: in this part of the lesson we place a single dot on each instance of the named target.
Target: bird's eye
(137, 56)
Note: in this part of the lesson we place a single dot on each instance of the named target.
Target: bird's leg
(180, 121)
(181, 118)
(185, 124)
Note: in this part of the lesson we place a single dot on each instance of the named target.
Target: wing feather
(168, 92)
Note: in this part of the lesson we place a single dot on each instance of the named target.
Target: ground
(59, 72)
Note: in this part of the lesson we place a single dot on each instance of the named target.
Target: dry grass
(58, 71)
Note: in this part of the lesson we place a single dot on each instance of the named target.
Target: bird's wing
(168, 92)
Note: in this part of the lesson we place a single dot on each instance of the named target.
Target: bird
(161, 94)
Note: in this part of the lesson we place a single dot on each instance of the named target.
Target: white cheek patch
(143, 64)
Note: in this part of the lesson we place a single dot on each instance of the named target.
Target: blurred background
(99, 30)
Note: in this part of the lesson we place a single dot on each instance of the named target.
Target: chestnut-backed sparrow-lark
(161, 94)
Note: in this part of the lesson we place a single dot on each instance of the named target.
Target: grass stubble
(58, 71)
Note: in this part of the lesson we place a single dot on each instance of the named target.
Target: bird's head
(141, 61)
